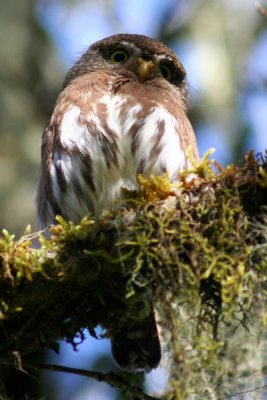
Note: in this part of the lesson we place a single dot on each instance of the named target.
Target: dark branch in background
(112, 379)
(261, 10)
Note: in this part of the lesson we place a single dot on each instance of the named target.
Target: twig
(261, 10)
(110, 378)
(230, 396)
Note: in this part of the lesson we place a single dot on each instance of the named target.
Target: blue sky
(74, 28)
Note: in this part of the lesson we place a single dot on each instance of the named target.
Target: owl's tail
(136, 348)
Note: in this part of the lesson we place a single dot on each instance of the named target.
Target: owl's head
(143, 57)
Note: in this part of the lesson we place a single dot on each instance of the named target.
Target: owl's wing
(47, 207)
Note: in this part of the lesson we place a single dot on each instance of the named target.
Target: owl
(122, 112)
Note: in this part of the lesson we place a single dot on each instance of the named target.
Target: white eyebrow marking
(160, 57)
(130, 44)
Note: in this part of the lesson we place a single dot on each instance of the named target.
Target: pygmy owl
(122, 112)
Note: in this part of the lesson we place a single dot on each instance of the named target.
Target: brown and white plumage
(122, 112)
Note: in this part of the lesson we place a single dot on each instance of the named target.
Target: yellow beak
(143, 68)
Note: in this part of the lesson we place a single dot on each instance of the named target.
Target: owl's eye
(166, 72)
(118, 56)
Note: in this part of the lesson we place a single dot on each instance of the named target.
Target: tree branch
(112, 379)
(261, 10)
(198, 249)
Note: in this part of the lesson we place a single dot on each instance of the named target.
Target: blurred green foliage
(30, 76)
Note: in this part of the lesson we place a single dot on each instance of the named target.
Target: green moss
(199, 248)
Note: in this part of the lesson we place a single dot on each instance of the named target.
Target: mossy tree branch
(199, 248)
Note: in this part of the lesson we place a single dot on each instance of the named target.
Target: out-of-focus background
(223, 45)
